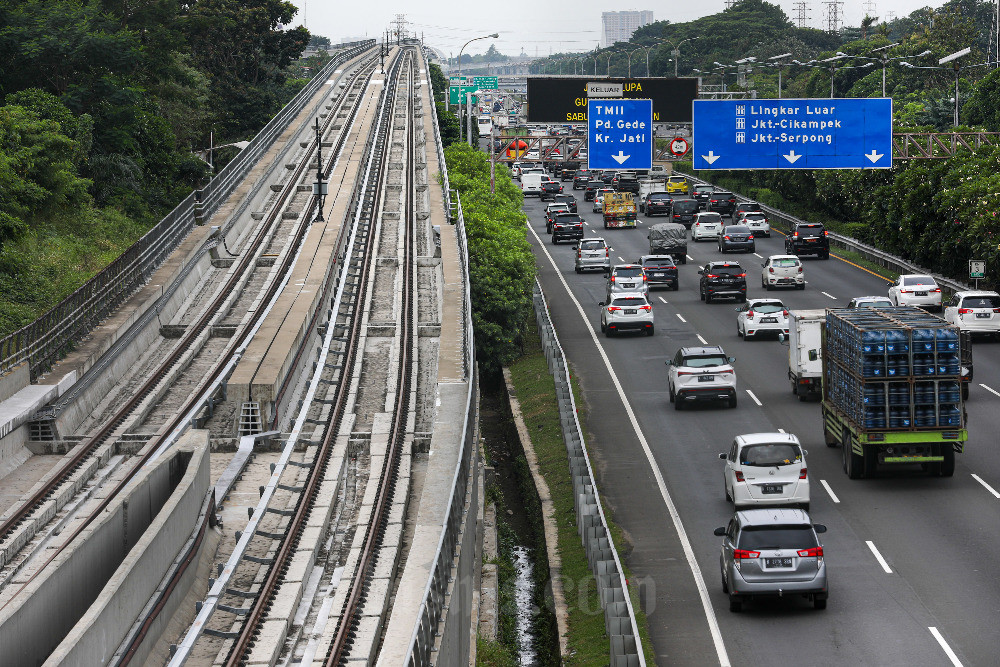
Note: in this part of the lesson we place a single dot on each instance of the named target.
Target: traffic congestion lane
(628, 248)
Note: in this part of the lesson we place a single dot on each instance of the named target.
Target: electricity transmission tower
(833, 15)
(800, 13)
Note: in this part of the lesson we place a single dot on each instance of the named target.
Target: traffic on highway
(853, 559)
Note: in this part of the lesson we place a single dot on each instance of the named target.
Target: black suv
(550, 189)
(592, 188)
(702, 193)
(660, 270)
(656, 202)
(682, 211)
(626, 183)
(581, 177)
(809, 238)
(567, 226)
(568, 199)
(723, 203)
(568, 170)
(722, 279)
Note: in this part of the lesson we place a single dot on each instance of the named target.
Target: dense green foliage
(501, 266)
(104, 102)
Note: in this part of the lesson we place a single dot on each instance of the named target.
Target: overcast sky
(536, 26)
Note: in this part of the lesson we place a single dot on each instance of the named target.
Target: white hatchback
(978, 312)
(758, 316)
(765, 469)
(915, 290)
(706, 226)
(756, 221)
(782, 271)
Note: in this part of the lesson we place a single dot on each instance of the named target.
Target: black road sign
(564, 99)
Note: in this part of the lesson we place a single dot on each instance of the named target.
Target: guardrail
(47, 339)
(612, 588)
(896, 264)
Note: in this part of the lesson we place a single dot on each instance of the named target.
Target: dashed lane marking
(755, 399)
(878, 557)
(681, 318)
(996, 494)
(833, 496)
(944, 646)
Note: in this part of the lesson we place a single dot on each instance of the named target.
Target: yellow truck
(619, 210)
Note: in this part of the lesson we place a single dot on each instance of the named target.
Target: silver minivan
(772, 553)
(592, 253)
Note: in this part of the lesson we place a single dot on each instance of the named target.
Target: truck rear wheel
(965, 391)
(853, 464)
(947, 467)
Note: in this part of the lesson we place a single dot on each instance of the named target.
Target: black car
(722, 279)
(626, 182)
(567, 226)
(550, 189)
(592, 188)
(808, 238)
(568, 199)
(683, 211)
(608, 176)
(581, 178)
(660, 270)
(702, 193)
(736, 237)
(568, 170)
(723, 203)
(656, 203)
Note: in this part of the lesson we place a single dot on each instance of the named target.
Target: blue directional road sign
(853, 133)
(619, 134)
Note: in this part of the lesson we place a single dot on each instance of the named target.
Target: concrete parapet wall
(78, 608)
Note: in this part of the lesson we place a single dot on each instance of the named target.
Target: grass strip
(535, 389)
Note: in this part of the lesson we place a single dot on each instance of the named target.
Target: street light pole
(493, 36)
(780, 65)
(676, 50)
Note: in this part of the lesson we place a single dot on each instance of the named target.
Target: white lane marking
(703, 341)
(675, 517)
(689, 257)
(829, 295)
(755, 399)
(878, 557)
(781, 430)
(944, 647)
(996, 494)
(621, 260)
(756, 255)
(662, 299)
(833, 496)
(990, 389)
(681, 318)
(586, 223)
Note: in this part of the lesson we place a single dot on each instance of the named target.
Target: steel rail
(246, 261)
(304, 505)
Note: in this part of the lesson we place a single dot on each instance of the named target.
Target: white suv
(782, 271)
(626, 311)
(766, 469)
(978, 312)
(697, 374)
(707, 225)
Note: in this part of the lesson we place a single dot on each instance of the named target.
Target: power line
(833, 15)
(800, 13)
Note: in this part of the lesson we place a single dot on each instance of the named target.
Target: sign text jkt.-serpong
(620, 134)
(838, 133)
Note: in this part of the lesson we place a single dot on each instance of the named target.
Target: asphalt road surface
(910, 557)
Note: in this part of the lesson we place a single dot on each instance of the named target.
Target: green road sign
(456, 94)
(486, 82)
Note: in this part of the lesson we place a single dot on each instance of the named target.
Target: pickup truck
(668, 238)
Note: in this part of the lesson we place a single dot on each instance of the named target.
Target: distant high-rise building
(619, 26)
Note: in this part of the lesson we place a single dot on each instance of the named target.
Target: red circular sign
(679, 146)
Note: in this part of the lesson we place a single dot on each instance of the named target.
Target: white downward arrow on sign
(711, 157)
(873, 156)
(621, 157)
(791, 157)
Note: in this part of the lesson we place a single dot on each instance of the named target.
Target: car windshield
(756, 538)
(707, 361)
(737, 229)
(685, 206)
(767, 307)
(629, 302)
(981, 302)
(676, 179)
(592, 245)
(777, 454)
(730, 269)
(631, 272)
(785, 263)
(918, 280)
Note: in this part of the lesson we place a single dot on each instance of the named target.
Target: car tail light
(644, 278)
(815, 552)
(800, 269)
(996, 310)
(726, 237)
(579, 254)
(741, 554)
(646, 308)
(785, 313)
(711, 275)
(936, 289)
(750, 313)
(826, 233)
(729, 372)
(770, 269)
(612, 309)
(795, 235)
(751, 237)
(966, 311)
(741, 275)
(802, 473)
(607, 252)
(739, 475)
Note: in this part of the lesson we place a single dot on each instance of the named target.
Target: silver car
(626, 311)
(870, 302)
(627, 278)
(772, 553)
(592, 253)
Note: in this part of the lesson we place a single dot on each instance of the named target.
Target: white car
(706, 226)
(756, 221)
(599, 199)
(975, 311)
(766, 469)
(758, 316)
(869, 302)
(782, 271)
(626, 311)
(915, 290)
(701, 374)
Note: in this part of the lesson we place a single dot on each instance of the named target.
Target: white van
(531, 183)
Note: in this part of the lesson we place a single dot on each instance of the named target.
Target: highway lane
(933, 534)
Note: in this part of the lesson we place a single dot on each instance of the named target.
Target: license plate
(658, 274)
(983, 315)
(771, 488)
(706, 378)
(769, 320)
(778, 562)
(921, 293)
(811, 240)
(628, 285)
(630, 311)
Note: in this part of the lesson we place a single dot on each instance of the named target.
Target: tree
(983, 107)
